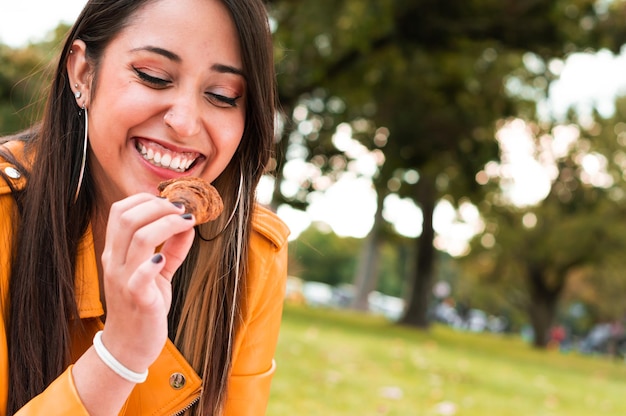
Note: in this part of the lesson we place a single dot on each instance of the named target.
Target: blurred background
(453, 175)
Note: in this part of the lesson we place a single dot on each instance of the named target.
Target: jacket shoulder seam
(269, 225)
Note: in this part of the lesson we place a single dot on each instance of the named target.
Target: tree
(23, 76)
(322, 256)
(17, 90)
(436, 75)
(576, 229)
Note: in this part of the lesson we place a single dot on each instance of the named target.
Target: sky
(24, 20)
(348, 206)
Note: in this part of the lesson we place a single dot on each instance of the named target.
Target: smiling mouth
(158, 155)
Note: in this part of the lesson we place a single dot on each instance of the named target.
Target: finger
(142, 287)
(147, 238)
(131, 201)
(129, 215)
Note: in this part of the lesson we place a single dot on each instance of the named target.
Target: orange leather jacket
(172, 385)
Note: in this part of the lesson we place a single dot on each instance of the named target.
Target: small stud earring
(78, 94)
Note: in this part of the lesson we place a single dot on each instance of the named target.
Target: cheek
(226, 140)
(228, 146)
(106, 133)
(228, 134)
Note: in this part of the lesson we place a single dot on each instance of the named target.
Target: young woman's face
(169, 98)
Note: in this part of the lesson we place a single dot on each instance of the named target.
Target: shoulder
(267, 261)
(267, 257)
(267, 226)
(11, 175)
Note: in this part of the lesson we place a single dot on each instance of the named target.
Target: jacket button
(12, 173)
(177, 381)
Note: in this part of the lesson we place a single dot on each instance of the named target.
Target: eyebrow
(159, 51)
(221, 68)
(228, 69)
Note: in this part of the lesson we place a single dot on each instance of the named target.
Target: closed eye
(153, 81)
(222, 100)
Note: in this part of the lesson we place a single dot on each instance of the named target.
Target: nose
(183, 117)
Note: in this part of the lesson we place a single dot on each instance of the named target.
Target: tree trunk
(416, 313)
(543, 305)
(366, 278)
(276, 194)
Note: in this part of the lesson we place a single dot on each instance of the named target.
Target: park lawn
(344, 363)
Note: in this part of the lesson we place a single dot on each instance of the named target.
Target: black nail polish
(157, 258)
(187, 216)
(178, 204)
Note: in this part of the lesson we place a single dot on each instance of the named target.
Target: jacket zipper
(189, 406)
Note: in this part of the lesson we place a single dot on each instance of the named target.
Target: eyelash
(162, 83)
(226, 100)
(157, 82)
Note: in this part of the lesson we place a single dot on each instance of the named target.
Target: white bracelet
(111, 362)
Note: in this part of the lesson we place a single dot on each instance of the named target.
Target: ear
(80, 73)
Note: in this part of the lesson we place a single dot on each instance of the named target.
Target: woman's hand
(137, 282)
(138, 293)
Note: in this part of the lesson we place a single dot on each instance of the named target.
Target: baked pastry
(199, 197)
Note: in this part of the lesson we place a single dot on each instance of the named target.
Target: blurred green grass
(344, 363)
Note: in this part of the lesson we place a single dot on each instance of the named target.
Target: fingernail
(157, 258)
(187, 216)
(178, 204)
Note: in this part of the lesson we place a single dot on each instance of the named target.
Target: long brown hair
(207, 297)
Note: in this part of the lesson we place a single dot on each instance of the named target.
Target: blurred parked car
(390, 306)
(317, 293)
(605, 338)
(343, 295)
(447, 314)
(293, 290)
(476, 321)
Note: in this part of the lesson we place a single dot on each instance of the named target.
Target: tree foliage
(320, 255)
(24, 73)
(576, 234)
(436, 76)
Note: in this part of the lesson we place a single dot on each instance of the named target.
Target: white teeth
(165, 160)
(178, 163)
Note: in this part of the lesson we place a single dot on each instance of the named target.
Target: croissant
(199, 197)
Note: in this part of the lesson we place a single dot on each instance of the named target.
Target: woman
(145, 90)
